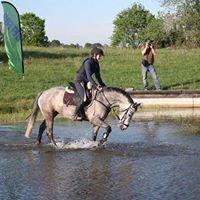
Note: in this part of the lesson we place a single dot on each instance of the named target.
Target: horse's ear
(136, 105)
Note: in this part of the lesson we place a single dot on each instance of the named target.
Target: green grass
(50, 67)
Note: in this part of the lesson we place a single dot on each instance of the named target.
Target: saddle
(71, 96)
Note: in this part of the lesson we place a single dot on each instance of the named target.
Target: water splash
(78, 144)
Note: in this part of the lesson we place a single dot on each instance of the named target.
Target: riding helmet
(97, 50)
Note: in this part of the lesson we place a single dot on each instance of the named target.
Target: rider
(89, 67)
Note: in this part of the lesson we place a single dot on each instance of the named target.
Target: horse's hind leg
(49, 128)
(41, 130)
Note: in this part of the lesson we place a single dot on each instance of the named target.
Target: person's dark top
(89, 67)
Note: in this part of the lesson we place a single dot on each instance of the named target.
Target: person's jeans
(152, 71)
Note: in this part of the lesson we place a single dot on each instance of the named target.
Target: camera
(149, 44)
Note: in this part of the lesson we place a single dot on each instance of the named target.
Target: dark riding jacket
(89, 67)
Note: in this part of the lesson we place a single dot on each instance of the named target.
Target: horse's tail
(32, 116)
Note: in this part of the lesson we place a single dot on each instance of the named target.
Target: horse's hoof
(102, 141)
(54, 143)
(99, 144)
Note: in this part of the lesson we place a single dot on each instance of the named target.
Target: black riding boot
(78, 114)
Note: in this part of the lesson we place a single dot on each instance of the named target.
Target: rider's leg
(78, 110)
(79, 102)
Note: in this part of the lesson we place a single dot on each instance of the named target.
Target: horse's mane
(119, 90)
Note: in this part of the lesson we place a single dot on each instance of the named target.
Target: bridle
(108, 107)
(125, 113)
(123, 118)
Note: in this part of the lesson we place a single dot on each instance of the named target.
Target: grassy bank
(50, 67)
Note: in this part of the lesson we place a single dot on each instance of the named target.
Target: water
(150, 160)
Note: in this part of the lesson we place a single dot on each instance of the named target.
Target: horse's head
(126, 115)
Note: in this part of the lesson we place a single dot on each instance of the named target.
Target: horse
(50, 103)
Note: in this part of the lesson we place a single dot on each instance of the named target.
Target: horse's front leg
(100, 123)
(95, 131)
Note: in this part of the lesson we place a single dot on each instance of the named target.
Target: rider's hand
(99, 88)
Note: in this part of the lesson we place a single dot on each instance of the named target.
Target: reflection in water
(150, 130)
(108, 177)
(151, 160)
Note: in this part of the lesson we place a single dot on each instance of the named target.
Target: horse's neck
(116, 99)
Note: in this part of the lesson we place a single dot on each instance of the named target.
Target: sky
(79, 21)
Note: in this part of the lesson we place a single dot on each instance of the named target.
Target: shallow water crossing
(150, 160)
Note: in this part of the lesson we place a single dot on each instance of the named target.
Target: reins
(108, 107)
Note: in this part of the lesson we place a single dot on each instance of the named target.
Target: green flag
(12, 37)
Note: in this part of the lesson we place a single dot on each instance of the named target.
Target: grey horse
(50, 103)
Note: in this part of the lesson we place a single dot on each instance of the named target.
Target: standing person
(148, 52)
(89, 67)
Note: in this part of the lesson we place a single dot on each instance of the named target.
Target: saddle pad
(68, 98)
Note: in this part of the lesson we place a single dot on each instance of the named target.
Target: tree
(88, 45)
(155, 31)
(130, 24)
(97, 45)
(188, 13)
(33, 30)
(173, 29)
(55, 43)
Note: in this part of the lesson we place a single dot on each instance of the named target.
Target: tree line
(132, 26)
(180, 27)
